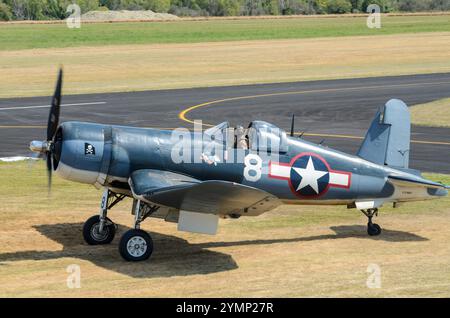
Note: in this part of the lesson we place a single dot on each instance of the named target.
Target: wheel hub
(97, 235)
(136, 246)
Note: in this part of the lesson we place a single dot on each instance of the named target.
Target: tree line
(56, 9)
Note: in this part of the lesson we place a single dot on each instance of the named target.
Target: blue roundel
(309, 176)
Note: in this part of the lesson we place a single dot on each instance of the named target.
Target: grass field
(161, 66)
(112, 57)
(436, 113)
(23, 36)
(293, 251)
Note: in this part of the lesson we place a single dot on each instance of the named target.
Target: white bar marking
(280, 171)
(339, 179)
(48, 106)
(16, 158)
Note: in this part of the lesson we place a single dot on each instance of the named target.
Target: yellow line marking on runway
(295, 133)
(44, 127)
(430, 142)
(328, 135)
(183, 114)
(359, 137)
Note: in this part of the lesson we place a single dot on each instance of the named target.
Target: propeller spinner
(47, 147)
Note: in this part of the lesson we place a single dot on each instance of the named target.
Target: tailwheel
(94, 234)
(136, 245)
(373, 229)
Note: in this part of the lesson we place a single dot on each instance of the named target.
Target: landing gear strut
(136, 244)
(373, 229)
(99, 229)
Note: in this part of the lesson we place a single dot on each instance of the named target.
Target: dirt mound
(125, 15)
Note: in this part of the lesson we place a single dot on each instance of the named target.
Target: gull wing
(213, 196)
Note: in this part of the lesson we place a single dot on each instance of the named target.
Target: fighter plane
(195, 178)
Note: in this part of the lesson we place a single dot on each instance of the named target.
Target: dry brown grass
(436, 113)
(293, 251)
(143, 67)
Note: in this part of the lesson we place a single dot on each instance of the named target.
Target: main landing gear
(99, 229)
(373, 229)
(135, 244)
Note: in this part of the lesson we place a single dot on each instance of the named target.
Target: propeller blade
(49, 170)
(53, 117)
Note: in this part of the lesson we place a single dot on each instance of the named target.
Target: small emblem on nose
(89, 149)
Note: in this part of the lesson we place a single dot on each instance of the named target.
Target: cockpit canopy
(266, 137)
(260, 136)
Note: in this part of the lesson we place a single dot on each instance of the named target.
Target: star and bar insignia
(309, 175)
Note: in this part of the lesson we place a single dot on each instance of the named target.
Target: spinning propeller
(51, 147)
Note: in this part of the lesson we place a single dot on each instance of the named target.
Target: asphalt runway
(337, 112)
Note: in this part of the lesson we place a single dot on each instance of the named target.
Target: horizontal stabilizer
(387, 141)
(415, 182)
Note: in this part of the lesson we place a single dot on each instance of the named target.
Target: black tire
(136, 245)
(90, 231)
(373, 229)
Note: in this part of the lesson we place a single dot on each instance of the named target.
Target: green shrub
(157, 5)
(288, 7)
(271, 7)
(338, 6)
(28, 9)
(385, 5)
(5, 12)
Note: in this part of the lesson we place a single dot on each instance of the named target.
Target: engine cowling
(82, 152)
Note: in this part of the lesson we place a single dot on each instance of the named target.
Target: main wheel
(91, 232)
(136, 245)
(373, 229)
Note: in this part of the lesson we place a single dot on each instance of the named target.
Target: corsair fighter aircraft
(195, 178)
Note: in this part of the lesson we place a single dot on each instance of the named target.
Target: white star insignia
(310, 176)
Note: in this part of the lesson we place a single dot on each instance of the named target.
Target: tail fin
(387, 141)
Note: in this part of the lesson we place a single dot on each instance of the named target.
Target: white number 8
(252, 163)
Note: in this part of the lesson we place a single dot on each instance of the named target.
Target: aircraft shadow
(341, 232)
(172, 256)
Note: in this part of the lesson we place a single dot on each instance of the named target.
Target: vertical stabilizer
(387, 141)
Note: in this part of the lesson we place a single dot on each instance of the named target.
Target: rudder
(387, 141)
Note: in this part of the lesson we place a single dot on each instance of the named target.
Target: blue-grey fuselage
(120, 151)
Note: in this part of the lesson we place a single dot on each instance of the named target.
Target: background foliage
(56, 9)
